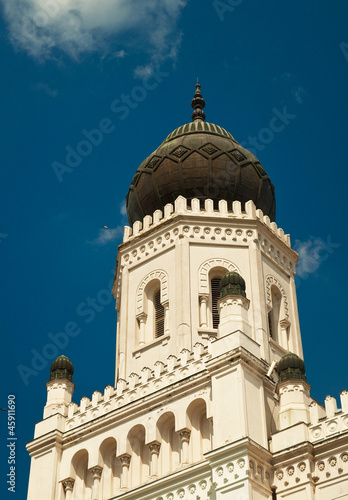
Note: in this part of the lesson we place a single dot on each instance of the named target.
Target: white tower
(206, 302)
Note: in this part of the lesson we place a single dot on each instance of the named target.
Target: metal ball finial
(198, 104)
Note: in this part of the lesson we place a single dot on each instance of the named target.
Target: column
(154, 450)
(68, 485)
(284, 338)
(125, 462)
(166, 317)
(96, 472)
(142, 322)
(203, 299)
(185, 439)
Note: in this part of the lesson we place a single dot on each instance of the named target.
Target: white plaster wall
(43, 476)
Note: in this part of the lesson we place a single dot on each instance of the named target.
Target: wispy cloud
(107, 235)
(283, 76)
(299, 93)
(119, 54)
(123, 208)
(44, 87)
(76, 27)
(312, 253)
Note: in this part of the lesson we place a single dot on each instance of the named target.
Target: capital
(125, 459)
(185, 435)
(203, 299)
(154, 447)
(142, 317)
(96, 471)
(68, 484)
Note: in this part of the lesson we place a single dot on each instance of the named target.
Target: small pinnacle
(198, 104)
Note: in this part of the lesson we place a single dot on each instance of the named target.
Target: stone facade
(197, 412)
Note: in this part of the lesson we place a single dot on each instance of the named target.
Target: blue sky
(66, 69)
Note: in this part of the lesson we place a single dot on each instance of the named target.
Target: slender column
(154, 450)
(185, 439)
(142, 322)
(284, 339)
(166, 317)
(68, 485)
(203, 310)
(125, 462)
(97, 472)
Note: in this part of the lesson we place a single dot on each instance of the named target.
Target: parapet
(224, 210)
(137, 386)
(330, 421)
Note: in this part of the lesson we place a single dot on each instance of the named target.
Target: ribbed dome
(291, 367)
(62, 368)
(232, 284)
(199, 160)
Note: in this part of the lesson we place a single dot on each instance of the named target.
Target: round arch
(273, 281)
(159, 275)
(207, 267)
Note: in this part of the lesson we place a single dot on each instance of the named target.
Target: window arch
(140, 456)
(110, 479)
(209, 276)
(274, 314)
(214, 277)
(169, 456)
(159, 275)
(152, 307)
(81, 474)
(277, 311)
(200, 439)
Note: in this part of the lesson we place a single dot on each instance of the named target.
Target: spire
(198, 104)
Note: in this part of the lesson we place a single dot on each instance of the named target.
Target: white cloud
(311, 254)
(120, 54)
(44, 87)
(76, 27)
(123, 208)
(144, 71)
(107, 235)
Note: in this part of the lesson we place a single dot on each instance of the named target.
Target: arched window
(159, 315)
(215, 295)
(270, 325)
(152, 321)
(274, 314)
(215, 276)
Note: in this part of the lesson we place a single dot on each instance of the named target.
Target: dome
(291, 367)
(62, 368)
(199, 160)
(232, 284)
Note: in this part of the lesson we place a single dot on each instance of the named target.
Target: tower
(210, 399)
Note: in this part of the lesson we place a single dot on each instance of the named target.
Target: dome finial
(198, 104)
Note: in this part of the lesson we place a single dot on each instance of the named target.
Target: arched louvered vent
(215, 295)
(270, 326)
(159, 315)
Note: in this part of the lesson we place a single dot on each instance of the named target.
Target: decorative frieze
(311, 471)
